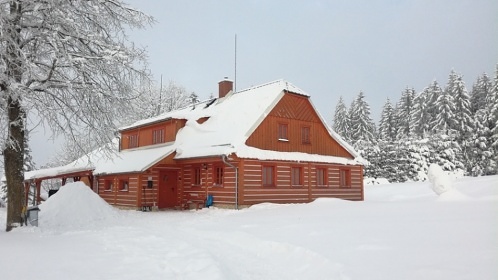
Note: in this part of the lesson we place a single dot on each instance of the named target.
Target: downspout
(224, 159)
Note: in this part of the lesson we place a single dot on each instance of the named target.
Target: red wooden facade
(171, 182)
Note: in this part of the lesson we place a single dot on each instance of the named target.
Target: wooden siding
(297, 112)
(222, 194)
(285, 192)
(144, 133)
(115, 196)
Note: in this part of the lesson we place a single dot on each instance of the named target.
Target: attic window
(305, 135)
(283, 128)
(158, 136)
(133, 141)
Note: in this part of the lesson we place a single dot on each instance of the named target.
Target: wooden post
(309, 183)
(140, 190)
(38, 188)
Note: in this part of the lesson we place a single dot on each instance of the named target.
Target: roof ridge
(261, 85)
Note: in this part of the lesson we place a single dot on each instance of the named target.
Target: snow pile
(441, 182)
(75, 205)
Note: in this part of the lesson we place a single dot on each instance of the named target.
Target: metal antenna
(235, 75)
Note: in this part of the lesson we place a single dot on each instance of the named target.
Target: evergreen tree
(340, 119)
(481, 157)
(349, 121)
(404, 113)
(434, 92)
(421, 116)
(362, 126)
(445, 108)
(388, 123)
(480, 92)
(493, 113)
(463, 123)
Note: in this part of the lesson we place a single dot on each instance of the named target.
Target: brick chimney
(225, 87)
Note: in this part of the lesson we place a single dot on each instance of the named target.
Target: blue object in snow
(209, 200)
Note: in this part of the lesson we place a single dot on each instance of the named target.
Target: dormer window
(133, 141)
(283, 129)
(158, 136)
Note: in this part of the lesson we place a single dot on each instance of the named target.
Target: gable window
(133, 141)
(123, 185)
(305, 135)
(321, 179)
(158, 136)
(218, 175)
(268, 176)
(283, 131)
(345, 178)
(197, 176)
(296, 176)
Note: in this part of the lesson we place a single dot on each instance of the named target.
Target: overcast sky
(327, 48)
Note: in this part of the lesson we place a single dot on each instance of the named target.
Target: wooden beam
(38, 188)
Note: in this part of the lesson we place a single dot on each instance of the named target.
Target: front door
(168, 189)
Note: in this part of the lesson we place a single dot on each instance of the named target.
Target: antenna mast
(235, 75)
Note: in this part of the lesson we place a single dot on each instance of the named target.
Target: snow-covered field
(401, 231)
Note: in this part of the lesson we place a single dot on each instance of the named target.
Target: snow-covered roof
(230, 121)
(108, 161)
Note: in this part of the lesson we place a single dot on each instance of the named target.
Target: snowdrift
(75, 205)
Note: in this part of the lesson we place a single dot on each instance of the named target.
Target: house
(267, 143)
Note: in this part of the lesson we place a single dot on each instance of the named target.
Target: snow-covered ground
(401, 231)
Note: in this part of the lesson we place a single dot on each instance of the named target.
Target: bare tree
(70, 63)
(154, 100)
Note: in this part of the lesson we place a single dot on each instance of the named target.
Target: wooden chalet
(267, 143)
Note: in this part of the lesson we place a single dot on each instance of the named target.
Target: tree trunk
(14, 149)
(14, 162)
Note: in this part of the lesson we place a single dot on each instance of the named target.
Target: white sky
(327, 48)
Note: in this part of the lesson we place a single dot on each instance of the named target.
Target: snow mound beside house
(75, 206)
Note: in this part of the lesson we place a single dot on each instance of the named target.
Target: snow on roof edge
(255, 153)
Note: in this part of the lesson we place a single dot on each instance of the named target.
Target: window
(321, 179)
(123, 185)
(218, 175)
(282, 131)
(133, 141)
(305, 135)
(197, 176)
(158, 136)
(296, 176)
(268, 176)
(108, 185)
(345, 178)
